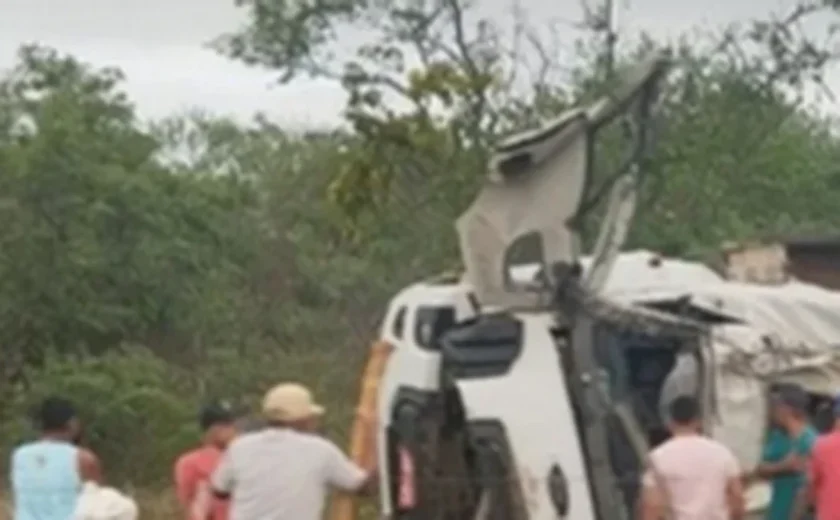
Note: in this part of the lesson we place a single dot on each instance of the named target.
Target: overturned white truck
(533, 392)
(457, 383)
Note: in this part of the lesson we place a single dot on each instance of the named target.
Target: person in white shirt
(284, 471)
(104, 503)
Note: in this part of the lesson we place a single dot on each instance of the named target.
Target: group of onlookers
(278, 468)
(281, 468)
(693, 477)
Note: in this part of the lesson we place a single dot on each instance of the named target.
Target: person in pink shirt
(690, 476)
(194, 468)
(822, 490)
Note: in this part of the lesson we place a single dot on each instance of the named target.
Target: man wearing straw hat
(284, 471)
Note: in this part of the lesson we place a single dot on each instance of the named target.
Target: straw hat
(290, 402)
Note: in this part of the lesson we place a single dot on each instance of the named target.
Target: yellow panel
(362, 436)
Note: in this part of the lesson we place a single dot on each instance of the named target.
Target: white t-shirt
(279, 474)
(694, 471)
(103, 503)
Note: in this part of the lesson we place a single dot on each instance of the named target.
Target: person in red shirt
(822, 492)
(194, 468)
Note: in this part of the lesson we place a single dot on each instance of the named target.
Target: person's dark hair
(684, 409)
(215, 414)
(824, 417)
(55, 414)
(793, 397)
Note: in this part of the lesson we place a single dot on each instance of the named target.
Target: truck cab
(531, 390)
(502, 395)
(485, 411)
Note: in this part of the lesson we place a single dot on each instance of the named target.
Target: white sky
(159, 45)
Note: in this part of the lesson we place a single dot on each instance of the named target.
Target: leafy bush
(244, 256)
(137, 410)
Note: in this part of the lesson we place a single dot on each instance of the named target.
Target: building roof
(813, 241)
(799, 241)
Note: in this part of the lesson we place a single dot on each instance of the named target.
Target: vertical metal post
(607, 497)
(611, 28)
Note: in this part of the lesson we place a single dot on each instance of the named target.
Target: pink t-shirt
(825, 476)
(693, 471)
(192, 481)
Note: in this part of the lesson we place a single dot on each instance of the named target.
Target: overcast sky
(159, 44)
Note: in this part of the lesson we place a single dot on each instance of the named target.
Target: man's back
(45, 480)
(693, 471)
(825, 475)
(280, 474)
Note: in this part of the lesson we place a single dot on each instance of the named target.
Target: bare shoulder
(90, 467)
(86, 456)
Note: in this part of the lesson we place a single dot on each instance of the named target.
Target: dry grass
(163, 506)
(153, 506)
(158, 506)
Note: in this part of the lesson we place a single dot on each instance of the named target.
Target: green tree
(740, 155)
(427, 90)
(102, 243)
(145, 270)
(434, 85)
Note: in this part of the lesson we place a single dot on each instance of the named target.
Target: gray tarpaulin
(788, 332)
(684, 379)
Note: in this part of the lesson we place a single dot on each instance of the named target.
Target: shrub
(138, 411)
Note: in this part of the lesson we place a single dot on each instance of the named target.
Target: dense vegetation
(145, 267)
